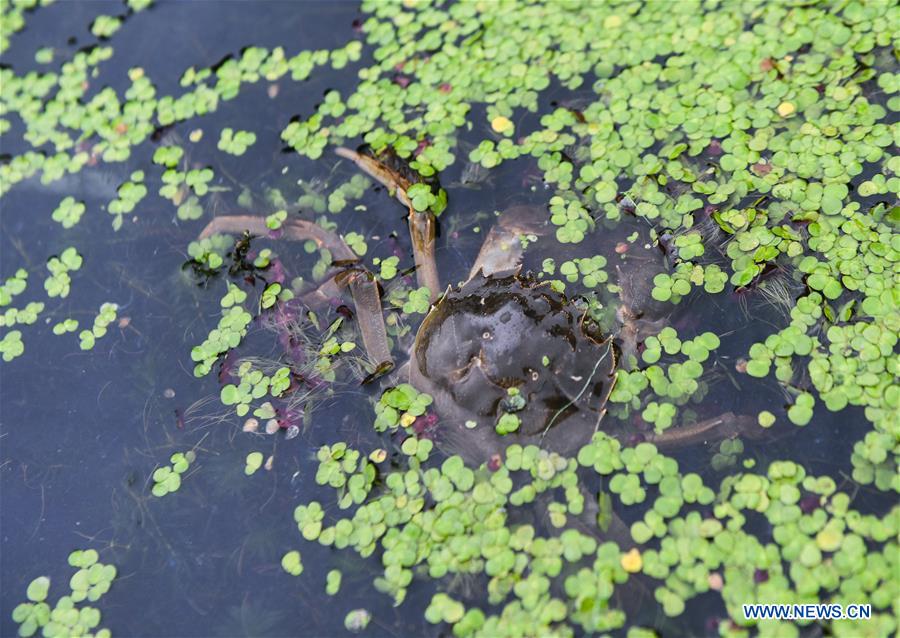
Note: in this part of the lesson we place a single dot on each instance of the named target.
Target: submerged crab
(505, 357)
(508, 347)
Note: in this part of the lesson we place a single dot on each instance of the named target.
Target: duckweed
(69, 212)
(707, 130)
(167, 479)
(236, 142)
(92, 580)
(291, 563)
(57, 284)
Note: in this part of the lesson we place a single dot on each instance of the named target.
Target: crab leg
(391, 180)
(362, 284)
(633, 332)
(364, 290)
(422, 226)
(724, 426)
(422, 230)
(296, 229)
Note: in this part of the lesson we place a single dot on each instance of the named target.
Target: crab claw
(422, 226)
(361, 283)
(364, 290)
(501, 253)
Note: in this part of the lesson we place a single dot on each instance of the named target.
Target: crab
(506, 358)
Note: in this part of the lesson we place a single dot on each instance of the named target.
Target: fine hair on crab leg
(422, 226)
(362, 284)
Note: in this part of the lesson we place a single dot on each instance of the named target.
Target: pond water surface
(81, 432)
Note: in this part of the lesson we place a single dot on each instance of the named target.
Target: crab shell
(496, 333)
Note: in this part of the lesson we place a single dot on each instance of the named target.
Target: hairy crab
(505, 357)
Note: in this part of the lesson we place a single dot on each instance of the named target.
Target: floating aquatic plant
(400, 406)
(167, 479)
(69, 212)
(105, 317)
(225, 336)
(691, 121)
(254, 462)
(11, 345)
(92, 580)
(129, 195)
(236, 142)
(105, 26)
(291, 563)
(57, 284)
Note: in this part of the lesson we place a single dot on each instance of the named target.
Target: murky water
(81, 432)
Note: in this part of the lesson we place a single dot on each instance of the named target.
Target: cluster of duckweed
(387, 267)
(167, 479)
(64, 326)
(589, 270)
(227, 334)
(276, 219)
(236, 142)
(414, 300)
(58, 284)
(333, 582)
(13, 286)
(292, 563)
(183, 188)
(11, 345)
(727, 456)
(667, 381)
(745, 143)
(508, 421)
(69, 212)
(105, 317)
(129, 195)
(254, 384)
(24, 316)
(343, 194)
(682, 280)
(400, 406)
(784, 138)
(330, 349)
(252, 380)
(209, 252)
(59, 281)
(345, 469)
(272, 294)
(452, 520)
(357, 620)
(659, 389)
(66, 618)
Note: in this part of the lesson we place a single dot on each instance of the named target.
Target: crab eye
(486, 334)
(534, 375)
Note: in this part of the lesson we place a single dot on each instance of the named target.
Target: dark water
(81, 432)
